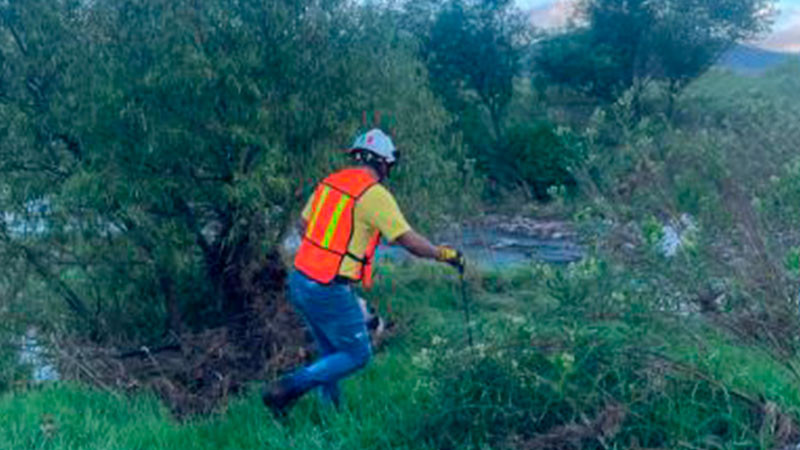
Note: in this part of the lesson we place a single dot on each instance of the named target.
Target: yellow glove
(450, 256)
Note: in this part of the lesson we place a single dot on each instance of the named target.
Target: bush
(535, 157)
(602, 385)
(185, 147)
(9, 363)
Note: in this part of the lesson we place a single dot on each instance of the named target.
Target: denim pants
(336, 321)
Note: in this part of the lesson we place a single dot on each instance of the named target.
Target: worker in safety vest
(341, 227)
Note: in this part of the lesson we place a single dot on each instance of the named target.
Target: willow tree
(169, 141)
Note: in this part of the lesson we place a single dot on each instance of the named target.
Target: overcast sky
(785, 35)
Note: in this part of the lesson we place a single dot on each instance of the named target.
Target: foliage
(13, 321)
(620, 44)
(542, 373)
(534, 156)
(585, 359)
(11, 371)
(723, 165)
(473, 50)
(607, 388)
(168, 143)
(563, 60)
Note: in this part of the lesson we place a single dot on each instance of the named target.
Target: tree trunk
(673, 91)
(244, 275)
(174, 322)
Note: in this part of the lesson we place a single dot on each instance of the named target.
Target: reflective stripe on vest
(327, 240)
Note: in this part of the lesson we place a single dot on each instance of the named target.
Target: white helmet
(377, 142)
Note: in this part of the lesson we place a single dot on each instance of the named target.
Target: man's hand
(419, 246)
(451, 256)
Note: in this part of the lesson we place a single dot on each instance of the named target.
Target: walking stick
(466, 304)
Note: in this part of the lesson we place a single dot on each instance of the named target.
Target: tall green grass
(379, 412)
(543, 364)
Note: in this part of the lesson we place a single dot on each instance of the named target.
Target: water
(491, 247)
(33, 354)
(32, 223)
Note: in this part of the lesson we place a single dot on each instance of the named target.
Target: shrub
(535, 157)
(601, 385)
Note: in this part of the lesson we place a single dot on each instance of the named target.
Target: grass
(68, 416)
(381, 411)
(537, 368)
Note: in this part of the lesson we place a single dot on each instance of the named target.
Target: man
(341, 226)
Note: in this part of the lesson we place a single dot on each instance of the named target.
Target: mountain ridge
(752, 60)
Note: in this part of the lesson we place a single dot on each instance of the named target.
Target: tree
(628, 43)
(171, 140)
(573, 60)
(473, 50)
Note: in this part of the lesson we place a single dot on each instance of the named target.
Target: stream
(494, 243)
(495, 249)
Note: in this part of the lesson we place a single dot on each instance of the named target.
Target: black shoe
(280, 396)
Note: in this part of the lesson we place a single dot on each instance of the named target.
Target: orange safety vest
(330, 228)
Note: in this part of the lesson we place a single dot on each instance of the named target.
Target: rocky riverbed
(497, 241)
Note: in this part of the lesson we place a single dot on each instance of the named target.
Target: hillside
(749, 60)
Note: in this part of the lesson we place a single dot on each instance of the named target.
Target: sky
(785, 35)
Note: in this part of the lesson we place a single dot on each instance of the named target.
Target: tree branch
(17, 38)
(75, 303)
(20, 167)
(191, 221)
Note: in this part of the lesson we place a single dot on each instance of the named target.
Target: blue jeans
(336, 321)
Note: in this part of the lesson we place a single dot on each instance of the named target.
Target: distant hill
(752, 60)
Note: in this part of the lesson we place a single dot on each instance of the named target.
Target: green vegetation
(154, 155)
(544, 369)
(533, 158)
(624, 44)
(168, 149)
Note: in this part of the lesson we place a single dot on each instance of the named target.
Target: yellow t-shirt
(375, 210)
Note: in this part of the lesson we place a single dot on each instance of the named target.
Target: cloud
(555, 14)
(786, 34)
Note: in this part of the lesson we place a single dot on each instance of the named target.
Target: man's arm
(417, 245)
(421, 247)
(384, 214)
